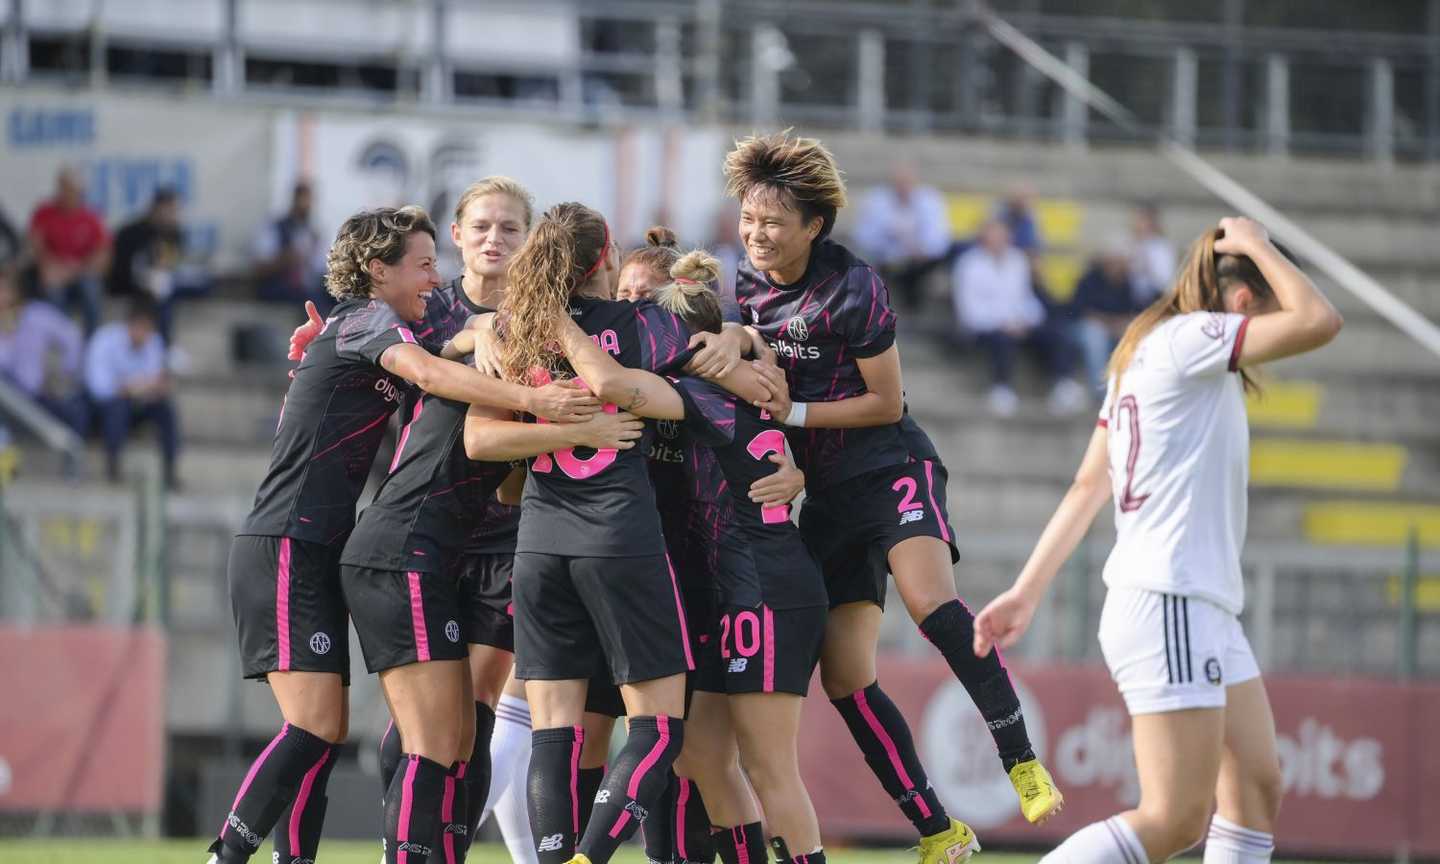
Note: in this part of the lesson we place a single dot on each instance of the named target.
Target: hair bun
(661, 236)
(697, 267)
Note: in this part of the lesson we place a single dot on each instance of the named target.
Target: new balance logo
(738, 664)
(551, 843)
(911, 516)
(409, 846)
(603, 797)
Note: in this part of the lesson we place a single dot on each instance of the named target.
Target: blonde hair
(1199, 286)
(692, 292)
(800, 171)
(658, 255)
(561, 254)
(497, 184)
(369, 235)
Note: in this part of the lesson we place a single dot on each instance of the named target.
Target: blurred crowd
(999, 300)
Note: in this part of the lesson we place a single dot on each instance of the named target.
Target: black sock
(390, 757)
(660, 831)
(272, 782)
(552, 792)
(951, 628)
(742, 844)
(412, 810)
(477, 772)
(297, 836)
(782, 854)
(880, 730)
(635, 782)
(454, 836)
(589, 786)
(693, 841)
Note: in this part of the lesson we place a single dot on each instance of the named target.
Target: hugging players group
(674, 590)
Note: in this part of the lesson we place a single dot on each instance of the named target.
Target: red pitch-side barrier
(82, 719)
(1360, 777)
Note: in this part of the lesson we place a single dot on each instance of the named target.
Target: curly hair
(799, 172)
(563, 252)
(497, 184)
(368, 235)
(659, 254)
(694, 291)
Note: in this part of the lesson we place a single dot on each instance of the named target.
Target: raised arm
(494, 435)
(560, 401)
(1005, 619)
(1306, 319)
(635, 390)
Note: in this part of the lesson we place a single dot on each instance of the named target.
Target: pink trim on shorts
(930, 487)
(680, 611)
(769, 684)
(417, 618)
(282, 607)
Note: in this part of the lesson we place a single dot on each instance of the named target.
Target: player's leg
(767, 726)
(427, 700)
(1250, 786)
(489, 629)
(712, 760)
(603, 707)
(552, 789)
(510, 756)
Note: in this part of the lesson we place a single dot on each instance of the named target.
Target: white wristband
(796, 417)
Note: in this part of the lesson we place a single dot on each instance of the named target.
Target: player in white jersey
(1172, 449)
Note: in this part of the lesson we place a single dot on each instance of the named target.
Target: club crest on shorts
(320, 643)
(1212, 671)
(452, 630)
(797, 329)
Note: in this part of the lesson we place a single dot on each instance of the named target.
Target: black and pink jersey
(762, 557)
(330, 426)
(838, 312)
(599, 503)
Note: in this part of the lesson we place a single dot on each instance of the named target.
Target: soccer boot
(1039, 797)
(954, 845)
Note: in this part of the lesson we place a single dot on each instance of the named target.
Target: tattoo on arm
(637, 400)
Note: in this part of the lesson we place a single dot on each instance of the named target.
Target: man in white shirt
(1152, 257)
(903, 231)
(127, 379)
(995, 302)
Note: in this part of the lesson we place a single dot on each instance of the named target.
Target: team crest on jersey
(797, 329)
(668, 429)
(1214, 326)
(1212, 671)
(320, 643)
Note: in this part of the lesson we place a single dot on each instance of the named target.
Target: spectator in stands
(903, 230)
(1103, 304)
(128, 382)
(995, 302)
(1152, 257)
(1017, 211)
(71, 248)
(40, 352)
(290, 254)
(12, 245)
(148, 256)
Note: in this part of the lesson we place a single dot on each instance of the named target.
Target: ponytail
(692, 291)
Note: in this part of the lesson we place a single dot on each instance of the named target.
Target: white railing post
(870, 72)
(1381, 131)
(1277, 104)
(1075, 114)
(1184, 85)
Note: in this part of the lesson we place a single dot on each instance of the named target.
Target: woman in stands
(770, 593)
(591, 576)
(876, 488)
(284, 573)
(1172, 448)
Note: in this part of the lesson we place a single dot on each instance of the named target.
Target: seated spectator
(995, 302)
(1152, 257)
(1017, 211)
(149, 252)
(41, 352)
(1103, 305)
(71, 249)
(290, 255)
(903, 231)
(126, 376)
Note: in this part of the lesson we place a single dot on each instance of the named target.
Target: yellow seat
(1285, 405)
(1365, 523)
(1427, 592)
(1059, 274)
(1347, 465)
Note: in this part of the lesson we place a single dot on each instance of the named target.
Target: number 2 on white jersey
(1129, 501)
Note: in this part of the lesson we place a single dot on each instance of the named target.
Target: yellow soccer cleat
(1039, 797)
(952, 846)
(578, 859)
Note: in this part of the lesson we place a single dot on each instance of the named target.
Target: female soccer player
(591, 578)
(771, 595)
(283, 570)
(648, 267)
(876, 488)
(1172, 447)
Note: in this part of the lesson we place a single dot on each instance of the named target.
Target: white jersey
(1180, 461)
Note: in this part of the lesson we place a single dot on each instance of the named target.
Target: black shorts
(289, 608)
(403, 617)
(487, 609)
(577, 617)
(852, 526)
(763, 650)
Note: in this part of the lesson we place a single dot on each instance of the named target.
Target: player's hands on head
(1241, 236)
(305, 333)
(1003, 621)
(563, 402)
(772, 377)
(780, 487)
(719, 353)
(618, 431)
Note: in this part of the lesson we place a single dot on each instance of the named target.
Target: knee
(331, 727)
(1182, 827)
(841, 679)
